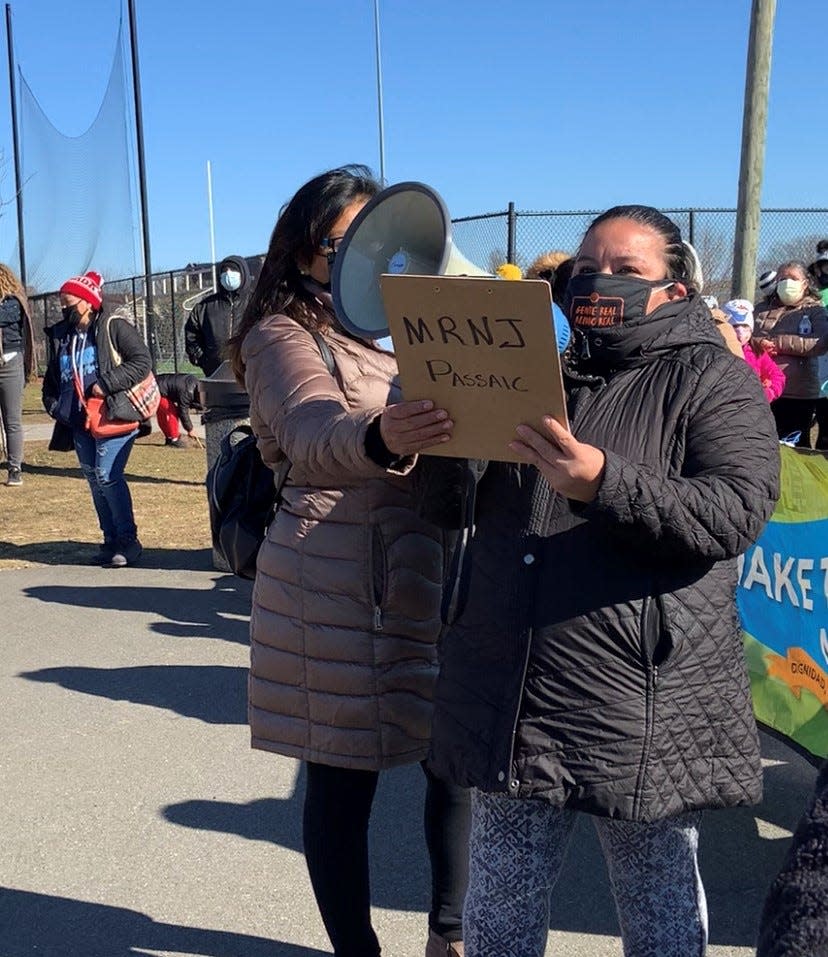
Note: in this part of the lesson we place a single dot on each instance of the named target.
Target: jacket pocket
(379, 575)
(659, 639)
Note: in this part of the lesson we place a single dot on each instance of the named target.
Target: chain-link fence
(174, 294)
(488, 240)
(521, 237)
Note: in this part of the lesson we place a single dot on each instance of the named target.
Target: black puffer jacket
(215, 318)
(597, 659)
(181, 389)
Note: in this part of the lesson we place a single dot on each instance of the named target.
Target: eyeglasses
(331, 244)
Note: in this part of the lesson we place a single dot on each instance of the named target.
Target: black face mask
(596, 300)
(71, 315)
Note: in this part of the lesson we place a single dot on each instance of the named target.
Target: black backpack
(244, 494)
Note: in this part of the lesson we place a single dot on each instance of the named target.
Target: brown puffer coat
(346, 604)
(800, 334)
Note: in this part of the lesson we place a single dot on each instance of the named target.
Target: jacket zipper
(648, 740)
(378, 554)
(517, 711)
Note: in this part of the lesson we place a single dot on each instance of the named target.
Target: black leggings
(794, 415)
(335, 831)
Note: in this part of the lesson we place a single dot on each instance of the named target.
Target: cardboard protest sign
(484, 349)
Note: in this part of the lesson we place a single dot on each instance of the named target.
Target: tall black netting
(79, 196)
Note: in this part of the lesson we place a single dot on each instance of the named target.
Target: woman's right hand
(767, 345)
(410, 427)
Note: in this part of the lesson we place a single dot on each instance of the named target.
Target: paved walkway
(136, 819)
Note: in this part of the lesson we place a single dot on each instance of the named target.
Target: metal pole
(18, 180)
(212, 221)
(172, 320)
(692, 228)
(754, 126)
(379, 92)
(142, 180)
(511, 230)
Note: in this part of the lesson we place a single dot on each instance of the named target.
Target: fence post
(511, 229)
(174, 323)
(692, 237)
(134, 305)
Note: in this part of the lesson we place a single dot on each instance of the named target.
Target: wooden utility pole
(754, 126)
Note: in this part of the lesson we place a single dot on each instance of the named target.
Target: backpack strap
(325, 352)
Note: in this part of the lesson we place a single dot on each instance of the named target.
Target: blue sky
(537, 102)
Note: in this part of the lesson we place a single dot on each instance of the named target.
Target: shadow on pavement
(68, 552)
(400, 878)
(53, 470)
(733, 855)
(61, 927)
(215, 694)
(221, 612)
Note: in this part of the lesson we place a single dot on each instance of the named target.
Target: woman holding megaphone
(346, 604)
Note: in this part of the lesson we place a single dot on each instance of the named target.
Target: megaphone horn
(405, 229)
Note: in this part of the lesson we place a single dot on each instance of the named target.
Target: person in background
(179, 397)
(726, 331)
(739, 313)
(346, 604)
(766, 283)
(791, 326)
(546, 265)
(595, 665)
(80, 357)
(16, 367)
(214, 319)
(819, 273)
(818, 270)
(555, 267)
(794, 921)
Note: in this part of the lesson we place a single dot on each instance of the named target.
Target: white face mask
(790, 291)
(230, 279)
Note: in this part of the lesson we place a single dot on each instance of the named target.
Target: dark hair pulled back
(679, 259)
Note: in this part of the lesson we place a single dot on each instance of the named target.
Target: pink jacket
(770, 375)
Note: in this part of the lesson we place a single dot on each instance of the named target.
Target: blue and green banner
(783, 603)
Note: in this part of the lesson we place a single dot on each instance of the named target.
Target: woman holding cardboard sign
(346, 605)
(595, 664)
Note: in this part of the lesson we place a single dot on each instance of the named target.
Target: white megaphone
(405, 229)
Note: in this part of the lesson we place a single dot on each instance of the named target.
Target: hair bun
(695, 277)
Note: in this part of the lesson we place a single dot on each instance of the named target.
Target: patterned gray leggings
(518, 847)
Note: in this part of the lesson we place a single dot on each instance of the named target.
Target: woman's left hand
(572, 468)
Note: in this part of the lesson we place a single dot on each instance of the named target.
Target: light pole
(379, 92)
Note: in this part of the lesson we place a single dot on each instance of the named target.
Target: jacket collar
(681, 322)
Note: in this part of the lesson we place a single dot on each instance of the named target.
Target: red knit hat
(86, 287)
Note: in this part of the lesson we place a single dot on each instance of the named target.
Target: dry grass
(50, 518)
